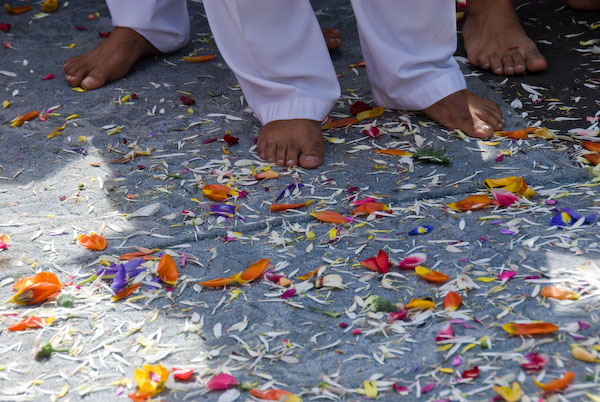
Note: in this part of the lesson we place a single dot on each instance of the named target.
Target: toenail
(291, 162)
(485, 127)
(280, 161)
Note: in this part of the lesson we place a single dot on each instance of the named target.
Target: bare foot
(587, 5)
(292, 142)
(109, 61)
(477, 117)
(333, 39)
(495, 40)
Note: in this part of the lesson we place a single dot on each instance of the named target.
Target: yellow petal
(509, 394)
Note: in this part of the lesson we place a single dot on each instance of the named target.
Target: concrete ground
(324, 342)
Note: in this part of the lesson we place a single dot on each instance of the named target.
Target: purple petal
(120, 280)
(288, 293)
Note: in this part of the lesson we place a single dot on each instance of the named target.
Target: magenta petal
(428, 387)
(400, 388)
(221, 381)
(504, 197)
(288, 293)
(398, 315)
(411, 261)
(456, 361)
(534, 362)
(445, 334)
(48, 77)
(270, 276)
(506, 275)
(358, 203)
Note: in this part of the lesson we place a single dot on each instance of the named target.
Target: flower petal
(218, 282)
(558, 293)
(199, 59)
(557, 384)
(426, 303)
(370, 114)
(125, 292)
(218, 192)
(167, 269)
(412, 260)
(329, 217)
(221, 381)
(471, 203)
(254, 271)
(275, 395)
(535, 328)
(93, 241)
(284, 207)
(509, 394)
(430, 275)
(394, 152)
(504, 197)
(368, 208)
(452, 301)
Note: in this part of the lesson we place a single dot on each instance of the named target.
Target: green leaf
(332, 314)
(432, 155)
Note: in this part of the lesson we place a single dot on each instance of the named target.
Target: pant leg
(408, 48)
(164, 23)
(277, 52)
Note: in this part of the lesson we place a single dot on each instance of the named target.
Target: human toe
(519, 63)
(496, 65)
(508, 67)
(536, 63)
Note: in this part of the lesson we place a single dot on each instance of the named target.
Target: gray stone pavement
(322, 343)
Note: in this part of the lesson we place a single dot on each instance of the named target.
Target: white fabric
(164, 23)
(277, 52)
(408, 48)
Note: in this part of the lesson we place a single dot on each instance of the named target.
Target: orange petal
(517, 134)
(254, 270)
(199, 59)
(136, 254)
(140, 396)
(31, 322)
(471, 203)
(167, 269)
(93, 241)
(329, 217)
(430, 275)
(452, 301)
(556, 292)
(310, 274)
(535, 328)
(394, 152)
(125, 292)
(594, 159)
(370, 114)
(18, 9)
(267, 174)
(274, 395)
(368, 208)
(218, 282)
(591, 146)
(285, 207)
(557, 384)
(36, 293)
(218, 192)
(24, 117)
(340, 123)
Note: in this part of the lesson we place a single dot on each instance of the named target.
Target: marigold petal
(254, 271)
(557, 384)
(535, 328)
(329, 217)
(559, 293)
(219, 282)
(285, 207)
(167, 269)
(199, 59)
(93, 241)
(431, 275)
(452, 300)
(471, 203)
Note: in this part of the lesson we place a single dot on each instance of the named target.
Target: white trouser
(277, 51)
(164, 23)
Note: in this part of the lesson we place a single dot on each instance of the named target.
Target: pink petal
(398, 315)
(412, 261)
(372, 131)
(221, 381)
(506, 275)
(428, 387)
(445, 334)
(288, 293)
(48, 77)
(504, 197)
(358, 203)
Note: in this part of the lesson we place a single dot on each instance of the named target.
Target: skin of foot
(494, 39)
(587, 5)
(333, 38)
(292, 142)
(109, 61)
(475, 116)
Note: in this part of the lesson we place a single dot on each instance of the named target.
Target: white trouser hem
(297, 108)
(423, 95)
